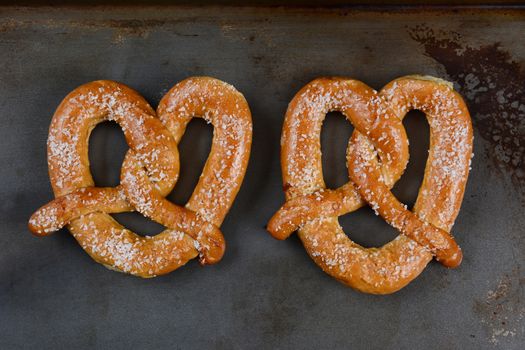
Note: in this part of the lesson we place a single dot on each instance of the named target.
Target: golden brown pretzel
(149, 172)
(376, 157)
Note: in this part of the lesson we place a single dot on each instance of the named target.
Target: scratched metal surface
(265, 293)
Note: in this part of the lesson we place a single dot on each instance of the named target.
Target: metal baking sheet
(265, 293)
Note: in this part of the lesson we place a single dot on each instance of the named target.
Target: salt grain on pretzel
(376, 157)
(149, 173)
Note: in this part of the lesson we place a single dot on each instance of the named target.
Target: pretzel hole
(107, 148)
(367, 229)
(335, 133)
(138, 223)
(418, 131)
(194, 149)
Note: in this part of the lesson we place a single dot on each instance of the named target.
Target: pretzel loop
(149, 172)
(376, 157)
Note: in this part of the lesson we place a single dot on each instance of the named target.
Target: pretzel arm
(62, 210)
(368, 179)
(298, 211)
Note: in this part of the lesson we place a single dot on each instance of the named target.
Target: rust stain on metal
(502, 311)
(123, 28)
(492, 82)
(8, 25)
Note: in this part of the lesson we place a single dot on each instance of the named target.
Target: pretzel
(377, 155)
(149, 172)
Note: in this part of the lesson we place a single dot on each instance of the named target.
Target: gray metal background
(265, 293)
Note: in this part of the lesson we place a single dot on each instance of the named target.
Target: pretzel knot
(377, 155)
(149, 172)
